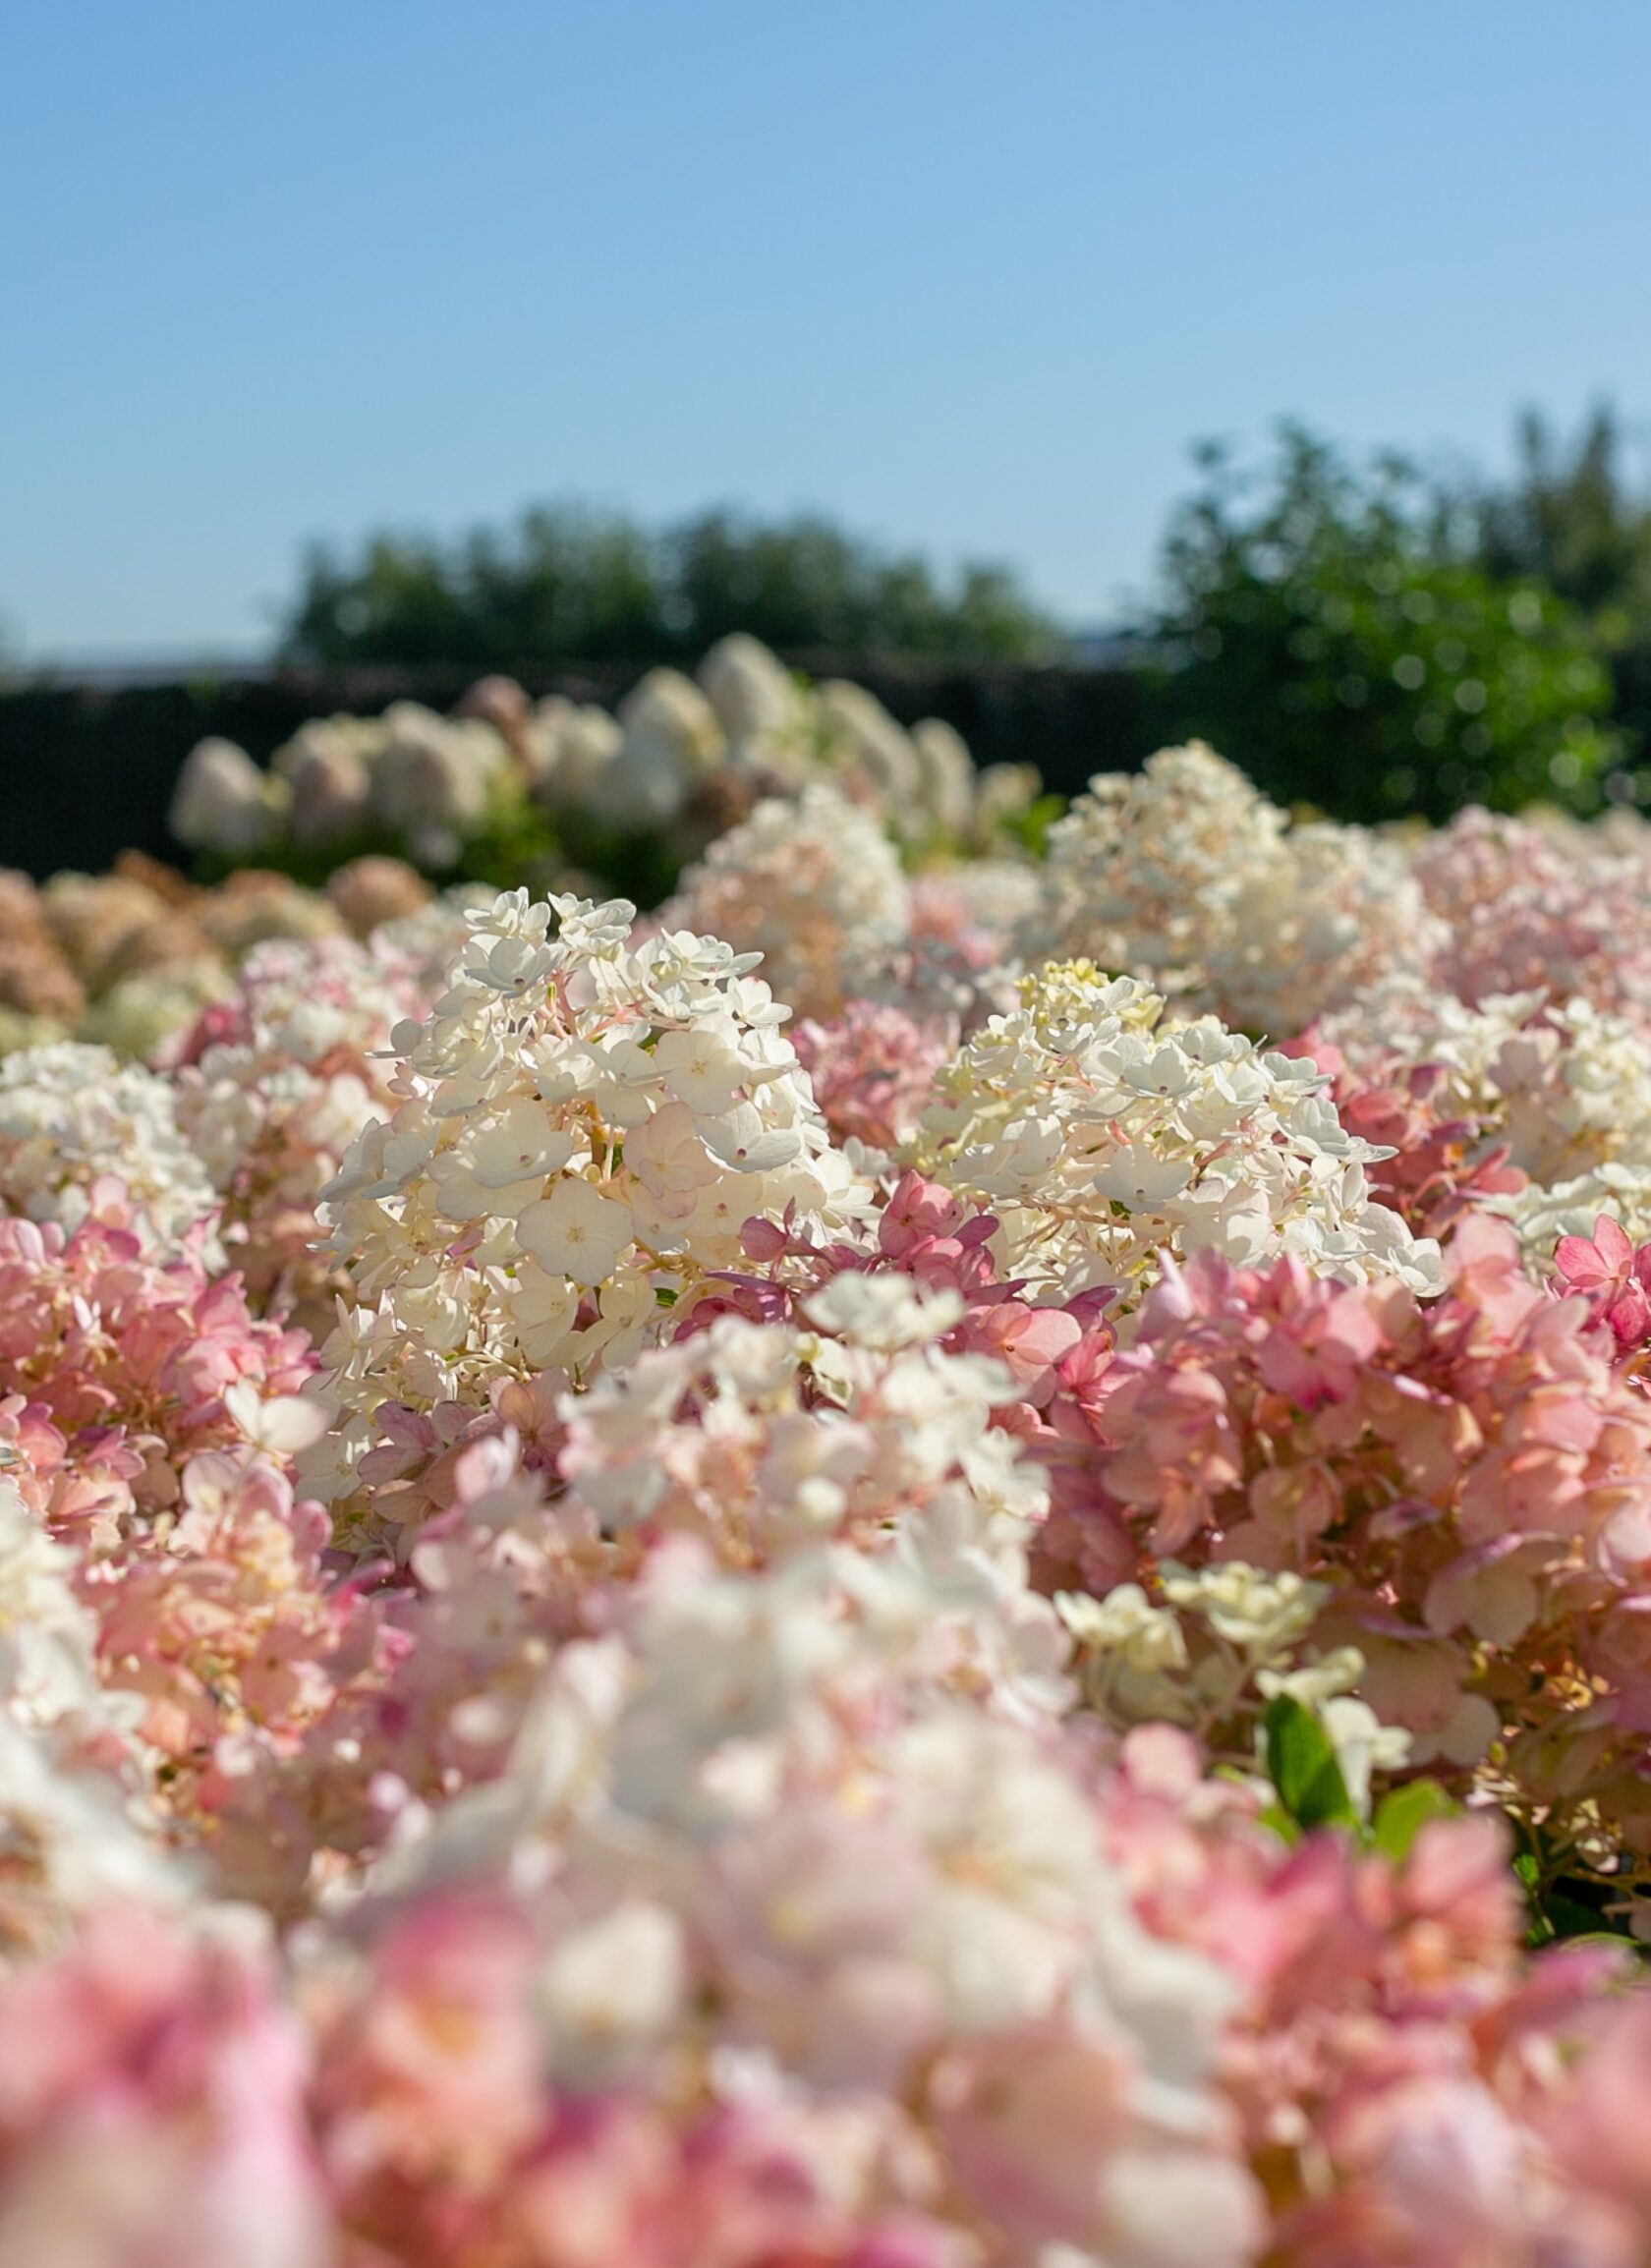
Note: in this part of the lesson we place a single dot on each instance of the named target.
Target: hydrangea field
(938, 1558)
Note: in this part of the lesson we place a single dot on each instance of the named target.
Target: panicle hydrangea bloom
(1562, 1089)
(1444, 1155)
(274, 1083)
(70, 1115)
(586, 1124)
(873, 1071)
(1103, 1139)
(797, 1872)
(72, 1832)
(153, 2103)
(110, 1356)
(1334, 911)
(1525, 913)
(1612, 1275)
(1184, 875)
(812, 885)
(1414, 2087)
(1144, 869)
(1471, 1479)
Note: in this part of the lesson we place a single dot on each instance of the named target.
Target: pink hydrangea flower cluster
(1532, 911)
(275, 1080)
(1470, 1478)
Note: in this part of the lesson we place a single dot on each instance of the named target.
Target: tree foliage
(1572, 518)
(1338, 632)
(569, 584)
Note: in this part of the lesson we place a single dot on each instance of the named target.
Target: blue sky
(970, 276)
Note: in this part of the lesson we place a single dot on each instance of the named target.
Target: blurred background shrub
(1364, 641)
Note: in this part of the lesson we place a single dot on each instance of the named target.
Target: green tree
(564, 585)
(1570, 518)
(1333, 631)
(561, 583)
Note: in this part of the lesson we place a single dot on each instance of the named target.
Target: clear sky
(970, 275)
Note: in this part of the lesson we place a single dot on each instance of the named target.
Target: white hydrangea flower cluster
(664, 738)
(1578, 1089)
(1186, 875)
(1565, 1086)
(1541, 1215)
(71, 1114)
(1102, 1139)
(585, 1125)
(226, 803)
(429, 779)
(1575, 1089)
(423, 777)
(1331, 912)
(859, 1430)
(1405, 1019)
(67, 1839)
(302, 1065)
(1224, 1641)
(772, 1815)
(1143, 870)
(304, 1014)
(923, 781)
(758, 701)
(814, 886)
(744, 725)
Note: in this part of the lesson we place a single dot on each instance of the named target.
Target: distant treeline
(568, 585)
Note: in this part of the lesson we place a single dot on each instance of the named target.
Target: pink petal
(1612, 1243)
(1582, 1263)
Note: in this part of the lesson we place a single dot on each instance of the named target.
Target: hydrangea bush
(905, 1567)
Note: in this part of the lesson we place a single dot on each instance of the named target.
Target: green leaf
(1301, 1765)
(1570, 1918)
(1404, 1812)
(1278, 1820)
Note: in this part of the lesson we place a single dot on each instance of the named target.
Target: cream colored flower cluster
(71, 1114)
(855, 1425)
(1334, 911)
(677, 755)
(791, 1852)
(424, 777)
(307, 1015)
(282, 1079)
(1222, 1642)
(69, 1838)
(812, 885)
(1565, 1086)
(586, 1123)
(1101, 1138)
(1186, 875)
(1144, 869)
